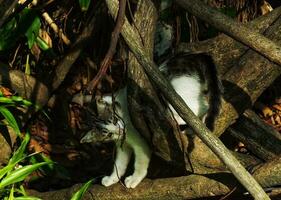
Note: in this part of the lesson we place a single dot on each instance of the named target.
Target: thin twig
(55, 28)
(113, 43)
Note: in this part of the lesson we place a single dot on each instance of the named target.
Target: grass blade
(11, 196)
(20, 174)
(19, 154)
(26, 198)
(79, 194)
(10, 119)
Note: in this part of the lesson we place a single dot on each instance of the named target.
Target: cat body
(119, 128)
(193, 77)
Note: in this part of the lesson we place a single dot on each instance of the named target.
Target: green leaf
(19, 153)
(26, 102)
(16, 98)
(20, 174)
(27, 198)
(5, 170)
(42, 44)
(6, 100)
(10, 119)
(11, 196)
(33, 31)
(84, 5)
(79, 194)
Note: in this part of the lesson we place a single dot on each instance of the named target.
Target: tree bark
(260, 138)
(224, 50)
(178, 188)
(236, 30)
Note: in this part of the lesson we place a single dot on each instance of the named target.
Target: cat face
(104, 132)
(107, 125)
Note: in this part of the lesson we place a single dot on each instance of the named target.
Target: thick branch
(185, 187)
(237, 30)
(188, 187)
(246, 81)
(27, 86)
(260, 138)
(177, 102)
(224, 49)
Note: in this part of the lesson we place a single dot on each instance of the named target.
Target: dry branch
(25, 85)
(176, 101)
(246, 81)
(55, 28)
(179, 188)
(236, 30)
(224, 49)
(260, 138)
(188, 187)
(106, 63)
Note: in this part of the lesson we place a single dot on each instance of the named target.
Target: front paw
(132, 181)
(108, 180)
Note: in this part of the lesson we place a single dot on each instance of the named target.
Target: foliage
(12, 101)
(79, 194)
(25, 24)
(84, 4)
(13, 173)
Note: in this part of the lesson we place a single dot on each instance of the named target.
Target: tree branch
(237, 30)
(224, 49)
(178, 188)
(177, 102)
(112, 47)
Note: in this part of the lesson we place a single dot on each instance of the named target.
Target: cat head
(105, 132)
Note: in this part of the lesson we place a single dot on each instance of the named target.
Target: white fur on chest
(191, 91)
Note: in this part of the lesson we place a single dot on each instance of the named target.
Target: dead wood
(224, 50)
(112, 48)
(259, 137)
(246, 81)
(26, 86)
(178, 188)
(269, 174)
(205, 135)
(236, 30)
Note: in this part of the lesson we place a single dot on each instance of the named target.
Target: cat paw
(108, 181)
(132, 181)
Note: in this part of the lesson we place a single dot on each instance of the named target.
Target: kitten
(116, 125)
(194, 78)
